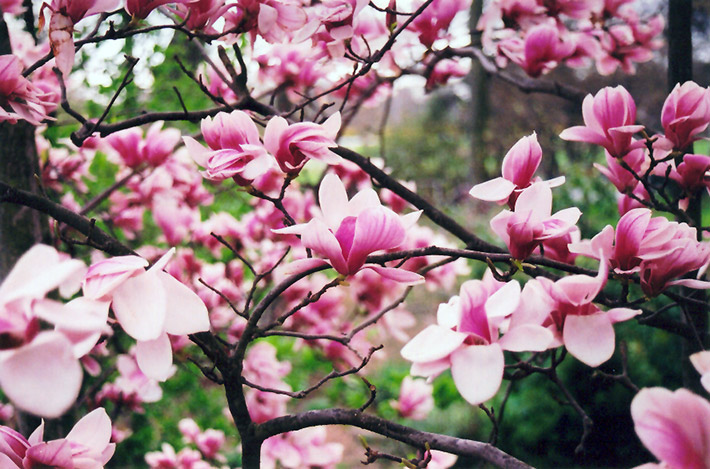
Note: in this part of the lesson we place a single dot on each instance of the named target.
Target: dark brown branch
(415, 438)
(96, 237)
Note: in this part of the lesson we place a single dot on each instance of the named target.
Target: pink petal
(272, 134)
(140, 306)
(431, 344)
(495, 190)
(477, 371)
(590, 339)
(333, 199)
(42, 377)
(701, 361)
(583, 134)
(321, 240)
(56, 453)
(93, 430)
(155, 357)
(527, 338)
(504, 301)
(622, 314)
(186, 313)
(402, 276)
(301, 265)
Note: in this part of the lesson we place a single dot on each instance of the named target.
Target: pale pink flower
(415, 399)
(519, 166)
(294, 144)
(674, 427)
(686, 113)
(86, 446)
(275, 20)
(609, 119)
(338, 16)
(350, 230)
(585, 330)
(148, 305)
(302, 448)
(11, 7)
(524, 229)
(20, 98)
(441, 460)
(210, 442)
(235, 150)
(467, 338)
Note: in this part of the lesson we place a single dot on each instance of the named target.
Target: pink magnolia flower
(434, 21)
(686, 113)
(338, 17)
(148, 305)
(275, 20)
(466, 338)
(12, 7)
(141, 8)
(415, 399)
(622, 178)
(692, 171)
(294, 144)
(86, 446)
(609, 119)
(443, 71)
(524, 229)
(154, 149)
(519, 166)
(302, 448)
(65, 14)
(350, 230)
(32, 361)
(201, 15)
(235, 150)
(542, 50)
(585, 330)
(674, 427)
(19, 97)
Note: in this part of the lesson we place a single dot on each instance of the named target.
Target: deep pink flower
(20, 98)
(351, 230)
(294, 144)
(235, 150)
(86, 446)
(434, 21)
(622, 178)
(686, 113)
(519, 166)
(154, 149)
(65, 14)
(609, 119)
(674, 427)
(141, 8)
(466, 338)
(524, 229)
(541, 51)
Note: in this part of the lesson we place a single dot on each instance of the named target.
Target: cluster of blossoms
(209, 444)
(147, 304)
(539, 35)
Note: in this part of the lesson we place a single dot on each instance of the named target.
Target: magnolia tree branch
(416, 438)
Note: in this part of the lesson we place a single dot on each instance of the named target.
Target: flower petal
(140, 306)
(590, 339)
(477, 371)
(155, 357)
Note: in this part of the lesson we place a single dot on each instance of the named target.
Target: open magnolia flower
(467, 338)
(33, 360)
(350, 230)
(87, 446)
(148, 305)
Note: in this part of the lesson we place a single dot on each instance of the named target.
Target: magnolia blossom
(531, 223)
(19, 97)
(540, 52)
(148, 305)
(585, 330)
(350, 230)
(466, 338)
(686, 113)
(86, 446)
(701, 362)
(674, 427)
(293, 145)
(519, 166)
(415, 399)
(235, 150)
(34, 360)
(141, 8)
(154, 149)
(65, 14)
(657, 248)
(622, 178)
(609, 119)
